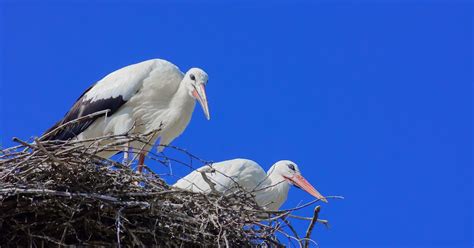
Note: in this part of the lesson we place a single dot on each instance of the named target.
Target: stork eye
(192, 77)
(292, 167)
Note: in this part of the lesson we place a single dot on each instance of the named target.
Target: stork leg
(141, 162)
(126, 154)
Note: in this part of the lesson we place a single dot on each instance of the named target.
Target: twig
(89, 116)
(311, 226)
(15, 139)
(208, 181)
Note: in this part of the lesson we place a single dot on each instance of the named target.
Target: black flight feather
(82, 108)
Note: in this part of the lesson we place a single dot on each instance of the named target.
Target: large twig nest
(62, 194)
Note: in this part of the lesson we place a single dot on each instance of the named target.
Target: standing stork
(270, 189)
(140, 98)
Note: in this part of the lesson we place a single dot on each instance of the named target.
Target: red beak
(301, 182)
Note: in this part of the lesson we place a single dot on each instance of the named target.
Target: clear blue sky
(373, 100)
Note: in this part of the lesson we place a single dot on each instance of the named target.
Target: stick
(311, 226)
(74, 121)
(211, 184)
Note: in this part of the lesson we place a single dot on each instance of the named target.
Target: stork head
(289, 172)
(196, 80)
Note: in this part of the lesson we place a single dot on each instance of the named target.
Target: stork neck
(182, 98)
(272, 193)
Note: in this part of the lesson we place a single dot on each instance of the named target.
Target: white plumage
(270, 189)
(141, 98)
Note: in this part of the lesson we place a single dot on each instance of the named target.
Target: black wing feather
(81, 108)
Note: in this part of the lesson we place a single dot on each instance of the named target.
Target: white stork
(140, 98)
(270, 189)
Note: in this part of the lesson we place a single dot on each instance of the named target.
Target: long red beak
(200, 95)
(301, 182)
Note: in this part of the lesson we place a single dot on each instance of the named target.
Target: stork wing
(110, 93)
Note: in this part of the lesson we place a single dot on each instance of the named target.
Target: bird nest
(62, 193)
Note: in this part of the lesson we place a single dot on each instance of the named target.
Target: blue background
(372, 100)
